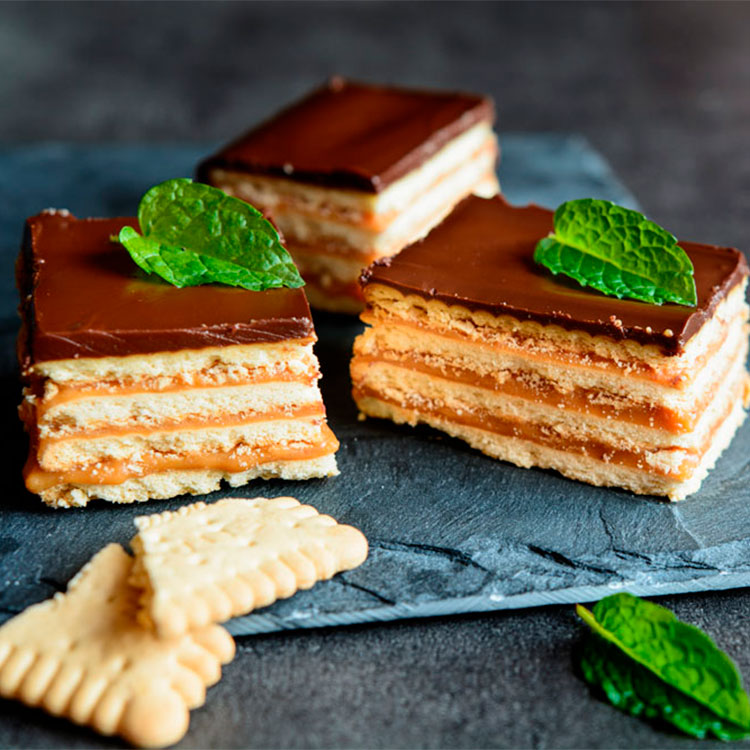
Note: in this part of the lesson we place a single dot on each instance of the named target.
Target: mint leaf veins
(650, 664)
(618, 252)
(195, 234)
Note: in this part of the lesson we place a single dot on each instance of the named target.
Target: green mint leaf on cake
(649, 664)
(618, 252)
(194, 234)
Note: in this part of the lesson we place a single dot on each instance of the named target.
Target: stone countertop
(659, 88)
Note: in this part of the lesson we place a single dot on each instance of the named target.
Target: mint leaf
(196, 234)
(618, 252)
(633, 689)
(649, 663)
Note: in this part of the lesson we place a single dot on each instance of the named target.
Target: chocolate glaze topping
(83, 296)
(481, 257)
(352, 135)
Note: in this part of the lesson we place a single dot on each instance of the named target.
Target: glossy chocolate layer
(352, 135)
(83, 296)
(481, 257)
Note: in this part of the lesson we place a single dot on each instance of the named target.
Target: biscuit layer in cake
(466, 334)
(355, 172)
(135, 389)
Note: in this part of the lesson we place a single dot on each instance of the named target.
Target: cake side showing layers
(647, 415)
(342, 200)
(597, 390)
(130, 425)
(612, 428)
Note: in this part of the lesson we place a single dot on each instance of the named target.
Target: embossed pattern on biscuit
(208, 563)
(84, 656)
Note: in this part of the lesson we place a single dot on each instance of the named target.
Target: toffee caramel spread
(83, 296)
(482, 257)
(353, 135)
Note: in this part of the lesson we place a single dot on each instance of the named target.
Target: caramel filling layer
(354, 240)
(241, 458)
(515, 343)
(544, 436)
(363, 217)
(66, 393)
(533, 387)
(188, 423)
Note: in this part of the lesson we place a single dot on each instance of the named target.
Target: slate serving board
(450, 530)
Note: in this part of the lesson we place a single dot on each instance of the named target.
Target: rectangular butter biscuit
(83, 655)
(208, 563)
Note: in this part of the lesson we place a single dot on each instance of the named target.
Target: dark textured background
(660, 89)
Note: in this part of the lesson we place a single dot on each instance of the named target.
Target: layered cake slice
(135, 389)
(468, 335)
(355, 172)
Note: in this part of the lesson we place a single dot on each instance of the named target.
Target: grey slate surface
(450, 530)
